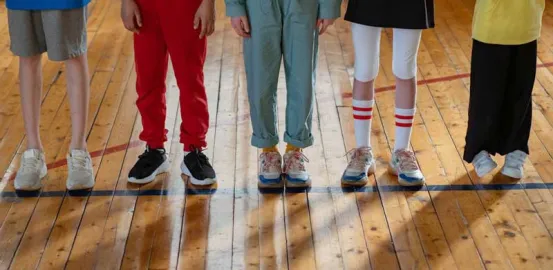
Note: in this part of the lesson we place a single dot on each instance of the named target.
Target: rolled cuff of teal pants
(301, 143)
(264, 142)
(236, 10)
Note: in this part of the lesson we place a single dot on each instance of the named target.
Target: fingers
(129, 24)
(203, 28)
(138, 18)
(238, 27)
(245, 25)
(196, 21)
(211, 28)
(323, 28)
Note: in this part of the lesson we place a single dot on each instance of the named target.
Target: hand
(241, 26)
(323, 24)
(130, 14)
(205, 18)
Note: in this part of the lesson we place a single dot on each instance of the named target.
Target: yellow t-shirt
(507, 22)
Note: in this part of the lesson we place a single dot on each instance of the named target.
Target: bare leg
(406, 93)
(30, 82)
(78, 90)
(363, 90)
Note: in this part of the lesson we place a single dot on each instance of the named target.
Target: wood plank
(219, 245)
(350, 229)
(246, 229)
(193, 243)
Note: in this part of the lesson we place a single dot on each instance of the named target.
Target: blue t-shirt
(45, 4)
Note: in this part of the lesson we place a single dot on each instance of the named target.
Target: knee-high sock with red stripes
(404, 125)
(362, 119)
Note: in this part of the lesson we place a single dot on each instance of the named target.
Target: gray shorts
(61, 33)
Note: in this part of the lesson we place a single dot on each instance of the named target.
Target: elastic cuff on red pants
(191, 145)
(155, 145)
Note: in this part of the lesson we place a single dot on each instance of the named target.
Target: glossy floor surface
(457, 221)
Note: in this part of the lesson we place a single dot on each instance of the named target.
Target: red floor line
(132, 144)
(434, 80)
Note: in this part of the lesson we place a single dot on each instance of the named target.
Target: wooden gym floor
(456, 221)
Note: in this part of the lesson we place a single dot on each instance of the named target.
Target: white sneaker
(80, 175)
(32, 170)
(483, 163)
(360, 167)
(270, 170)
(295, 171)
(514, 164)
(404, 165)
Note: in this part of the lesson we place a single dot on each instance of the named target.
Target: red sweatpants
(168, 30)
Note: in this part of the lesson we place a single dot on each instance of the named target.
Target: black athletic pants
(500, 109)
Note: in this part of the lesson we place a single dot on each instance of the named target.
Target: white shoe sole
(393, 171)
(363, 181)
(81, 187)
(194, 181)
(43, 173)
(291, 184)
(163, 168)
(262, 185)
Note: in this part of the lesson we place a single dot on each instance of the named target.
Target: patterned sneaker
(514, 164)
(197, 167)
(483, 163)
(80, 174)
(404, 165)
(151, 163)
(32, 170)
(294, 169)
(360, 167)
(270, 170)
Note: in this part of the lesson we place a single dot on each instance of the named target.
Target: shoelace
(359, 157)
(145, 159)
(201, 158)
(295, 161)
(407, 160)
(30, 165)
(271, 163)
(79, 163)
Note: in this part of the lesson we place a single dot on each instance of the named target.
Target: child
(57, 27)
(176, 28)
(503, 71)
(408, 19)
(281, 29)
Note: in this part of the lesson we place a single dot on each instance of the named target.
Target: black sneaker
(196, 166)
(151, 163)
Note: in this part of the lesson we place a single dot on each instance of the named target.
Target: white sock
(362, 115)
(404, 124)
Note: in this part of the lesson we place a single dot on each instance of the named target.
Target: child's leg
(27, 42)
(151, 63)
(516, 117)
(488, 83)
(65, 32)
(405, 49)
(300, 45)
(30, 82)
(262, 58)
(366, 42)
(78, 90)
(188, 54)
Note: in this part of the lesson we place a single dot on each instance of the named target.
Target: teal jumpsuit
(282, 29)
